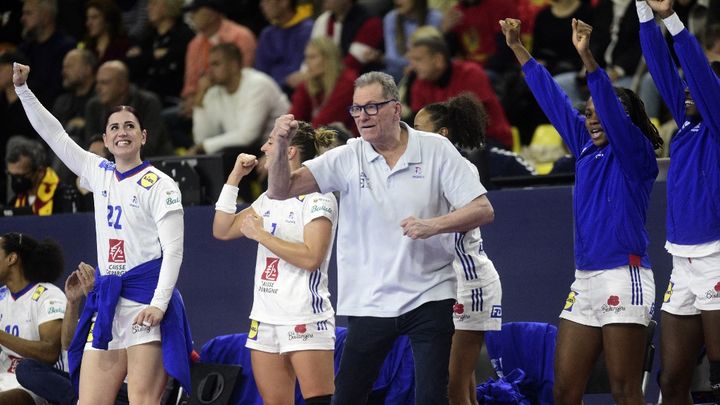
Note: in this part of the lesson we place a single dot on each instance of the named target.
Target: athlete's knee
(319, 400)
(564, 393)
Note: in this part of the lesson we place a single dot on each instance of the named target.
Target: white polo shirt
(381, 272)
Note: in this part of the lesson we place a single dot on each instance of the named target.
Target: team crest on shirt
(418, 172)
(266, 214)
(116, 252)
(570, 301)
(38, 293)
(148, 180)
(669, 292)
(364, 181)
(134, 202)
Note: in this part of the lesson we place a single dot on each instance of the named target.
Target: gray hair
(19, 146)
(389, 88)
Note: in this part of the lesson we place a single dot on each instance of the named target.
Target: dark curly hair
(464, 117)
(40, 261)
(635, 108)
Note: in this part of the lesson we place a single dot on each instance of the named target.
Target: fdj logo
(496, 311)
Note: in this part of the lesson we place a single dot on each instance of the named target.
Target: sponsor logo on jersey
(172, 200)
(496, 311)
(300, 333)
(55, 310)
(116, 252)
(320, 208)
(38, 292)
(266, 214)
(613, 304)
(458, 308)
(714, 292)
(599, 155)
(14, 361)
(271, 269)
(90, 333)
(254, 326)
(301, 197)
(138, 328)
(570, 301)
(148, 180)
(134, 202)
(418, 173)
(668, 292)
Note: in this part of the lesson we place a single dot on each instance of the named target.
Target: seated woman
(31, 310)
(326, 93)
(105, 33)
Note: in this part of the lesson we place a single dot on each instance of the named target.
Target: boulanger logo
(613, 305)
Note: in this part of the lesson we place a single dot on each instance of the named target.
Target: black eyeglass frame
(360, 108)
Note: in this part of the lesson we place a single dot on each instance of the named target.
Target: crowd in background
(211, 76)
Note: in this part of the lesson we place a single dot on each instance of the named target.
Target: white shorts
(291, 338)
(479, 309)
(8, 381)
(124, 333)
(622, 295)
(694, 285)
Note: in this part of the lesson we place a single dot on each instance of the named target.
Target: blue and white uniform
(693, 181)
(138, 225)
(291, 307)
(612, 190)
(479, 293)
(21, 315)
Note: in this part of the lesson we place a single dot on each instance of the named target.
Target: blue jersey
(612, 182)
(693, 181)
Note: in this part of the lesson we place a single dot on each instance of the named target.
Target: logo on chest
(135, 203)
(271, 269)
(290, 218)
(418, 172)
(116, 251)
(364, 181)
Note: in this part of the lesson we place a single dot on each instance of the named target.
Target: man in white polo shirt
(394, 243)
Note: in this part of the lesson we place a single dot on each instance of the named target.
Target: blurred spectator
(281, 45)
(134, 17)
(71, 18)
(10, 27)
(248, 14)
(326, 94)
(113, 88)
(158, 63)
(439, 78)
(398, 25)
(711, 43)
(45, 47)
(473, 32)
(12, 115)
(78, 78)
(615, 40)
(105, 33)
(698, 14)
(357, 33)
(236, 107)
(33, 182)
(211, 28)
(552, 29)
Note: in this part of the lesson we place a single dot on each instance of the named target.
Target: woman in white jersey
(462, 119)
(31, 310)
(133, 323)
(292, 333)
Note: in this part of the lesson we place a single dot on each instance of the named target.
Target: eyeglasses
(369, 108)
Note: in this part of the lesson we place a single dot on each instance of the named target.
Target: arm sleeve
(634, 151)
(331, 169)
(461, 180)
(704, 84)
(51, 130)
(170, 233)
(557, 106)
(662, 69)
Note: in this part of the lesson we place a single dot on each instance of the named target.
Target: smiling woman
(139, 231)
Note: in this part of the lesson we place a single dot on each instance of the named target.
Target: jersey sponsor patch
(496, 311)
(14, 361)
(148, 180)
(107, 165)
(668, 292)
(172, 197)
(254, 326)
(271, 269)
(90, 333)
(116, 253)
(570, 301)
(38, 292)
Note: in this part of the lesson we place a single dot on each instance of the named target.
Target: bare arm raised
(581, 41)
(511, 29)
(283, 184)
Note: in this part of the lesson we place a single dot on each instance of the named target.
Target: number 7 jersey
(127, 208)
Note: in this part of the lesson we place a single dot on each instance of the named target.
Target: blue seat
(395, 383)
